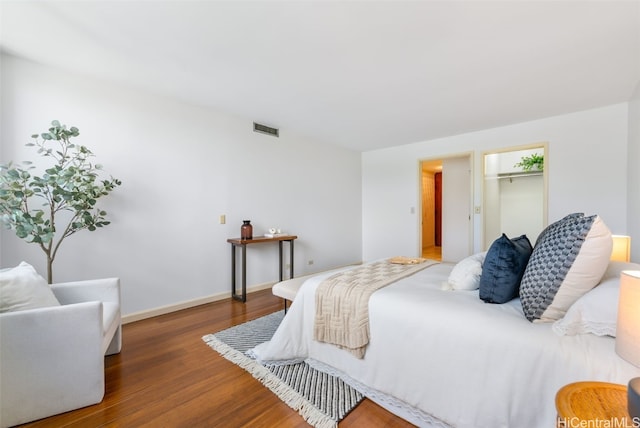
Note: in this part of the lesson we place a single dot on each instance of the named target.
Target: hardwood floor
(433, 253)
(166, 376)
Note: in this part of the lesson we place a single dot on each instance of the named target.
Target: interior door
(456, 208)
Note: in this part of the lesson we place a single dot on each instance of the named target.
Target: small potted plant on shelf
(535, 162)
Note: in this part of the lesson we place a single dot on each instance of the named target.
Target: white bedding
(451, 358)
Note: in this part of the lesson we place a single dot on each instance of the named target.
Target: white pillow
(22, 288)
(465, 275)
(597, 311)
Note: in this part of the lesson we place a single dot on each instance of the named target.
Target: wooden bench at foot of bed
(288, 289)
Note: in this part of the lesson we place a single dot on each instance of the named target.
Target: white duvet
(443, 358)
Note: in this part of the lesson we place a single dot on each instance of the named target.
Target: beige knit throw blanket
(342, 301)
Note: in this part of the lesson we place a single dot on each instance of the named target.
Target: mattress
(445, 358)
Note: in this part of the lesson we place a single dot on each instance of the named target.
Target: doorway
(515, 193)
(432, 209)
(446, 192)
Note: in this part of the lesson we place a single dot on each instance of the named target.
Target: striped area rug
(321, 399)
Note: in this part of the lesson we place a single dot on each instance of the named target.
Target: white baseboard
(137, 316)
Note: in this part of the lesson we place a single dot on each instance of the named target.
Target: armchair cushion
(22, 288)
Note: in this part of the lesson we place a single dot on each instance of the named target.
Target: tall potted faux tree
(69, 189)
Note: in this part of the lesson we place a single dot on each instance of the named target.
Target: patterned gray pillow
(569, 259)
(554, 226)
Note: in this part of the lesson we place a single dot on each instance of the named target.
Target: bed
(442, 357)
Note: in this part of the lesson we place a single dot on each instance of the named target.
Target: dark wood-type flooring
(166, 376)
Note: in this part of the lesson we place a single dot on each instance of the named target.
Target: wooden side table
(597, 404)
(242, 243)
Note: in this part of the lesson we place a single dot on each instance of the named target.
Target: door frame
(544, 145)
(470, 156)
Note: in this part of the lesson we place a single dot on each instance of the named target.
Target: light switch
(223, 219)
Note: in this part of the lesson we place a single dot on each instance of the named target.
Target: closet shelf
(517, 174)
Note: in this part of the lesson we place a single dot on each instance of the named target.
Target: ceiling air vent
(264, 129)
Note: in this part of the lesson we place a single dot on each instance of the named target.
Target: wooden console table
(242, 243)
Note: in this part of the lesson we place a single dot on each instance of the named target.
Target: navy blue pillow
(503, 268)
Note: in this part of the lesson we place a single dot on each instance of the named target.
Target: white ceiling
(363, 75)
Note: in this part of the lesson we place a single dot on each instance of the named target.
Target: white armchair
(52, 359)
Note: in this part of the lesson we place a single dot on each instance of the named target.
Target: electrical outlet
(223, 219)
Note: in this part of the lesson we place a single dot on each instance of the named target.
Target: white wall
(181, 166)
(586, 169)
(521, 202)
(633, 161)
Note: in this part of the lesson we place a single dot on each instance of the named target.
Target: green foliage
(528, 162)
(71, 184)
